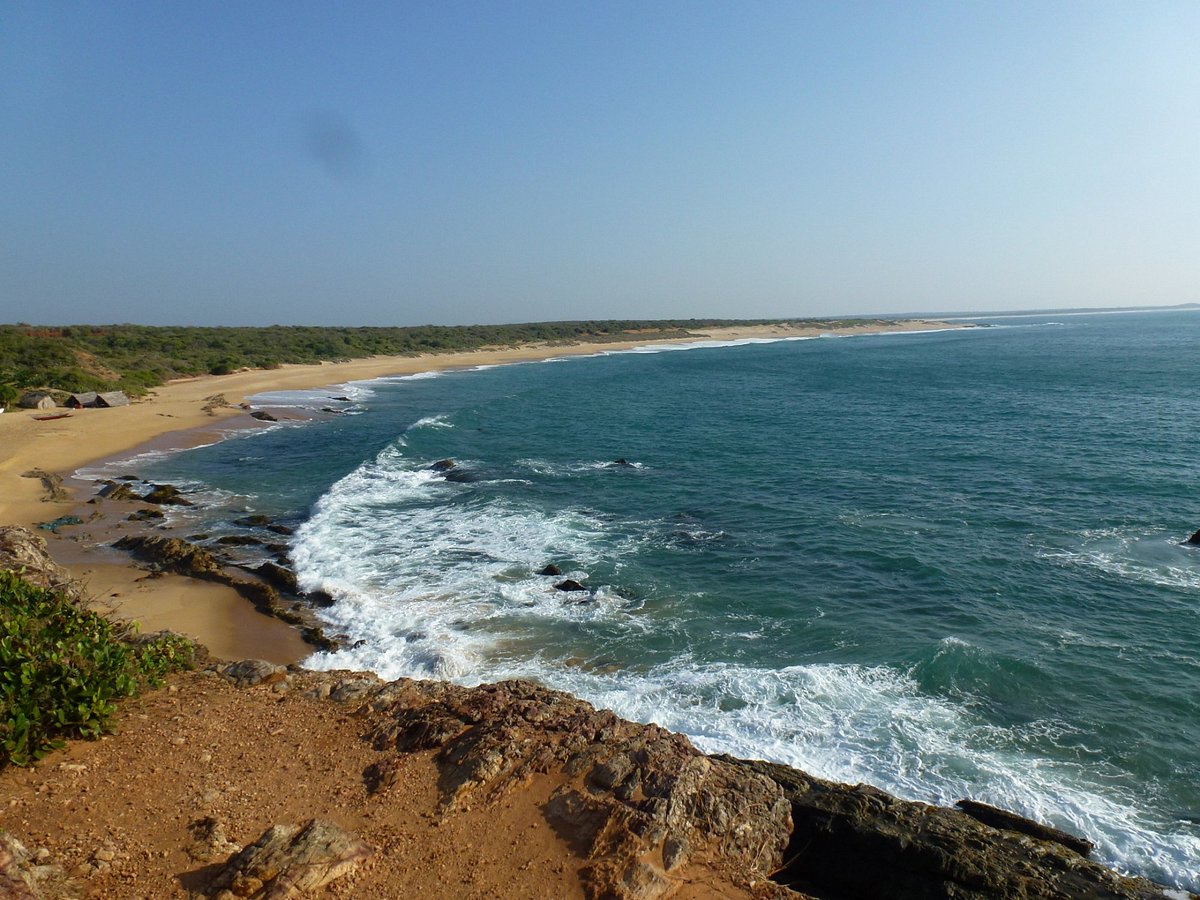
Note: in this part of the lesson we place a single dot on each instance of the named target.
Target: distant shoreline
(212, 613)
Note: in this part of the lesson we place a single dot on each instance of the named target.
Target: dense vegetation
(62, 669)
(135, 358)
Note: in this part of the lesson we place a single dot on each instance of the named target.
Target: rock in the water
(281, 529)
(263, 416)
(257, 521)
(113, 490)
(551, 570)
(569, 585)
(166, 493)
(145, 515)
(443, 465)
(24, 552)
(1194, 539)
(290, 861)
(621, 464)
(282, 578)
(238, 540)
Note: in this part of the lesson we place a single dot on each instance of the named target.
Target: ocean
(948, 564)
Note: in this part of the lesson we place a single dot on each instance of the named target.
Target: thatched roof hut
(112, 398)
(36, 400)
(79, 401)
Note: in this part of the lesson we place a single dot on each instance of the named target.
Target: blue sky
(393, 163)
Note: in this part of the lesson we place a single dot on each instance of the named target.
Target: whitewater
(947, 564)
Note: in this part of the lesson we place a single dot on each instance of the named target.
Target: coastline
(175, 415)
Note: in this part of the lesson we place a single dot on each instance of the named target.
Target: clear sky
(442, 162)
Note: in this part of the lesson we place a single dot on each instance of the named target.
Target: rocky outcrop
(289, 861)
(51, 482)
(1003, 819)
(442, 465)
(114, 490)
(1194, 540)
(569, 584)
(24, 552)
(183, 558)
(263, 416)
(165, 494)
(551, 570)
(637, 801)
(850, 839)
(25, 876)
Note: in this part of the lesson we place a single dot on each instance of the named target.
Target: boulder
(569, 585)
(24, 552)
(289, 861)
(621, 464)
(263, 416)
(257, 521)
(249, 672)
(443, 465)
(113, 490)
(145, 515)
(847, 840)
(1194, 539)
(551, 570)
(165, 494)
(281, 577)
(23, 878)
(281, 529)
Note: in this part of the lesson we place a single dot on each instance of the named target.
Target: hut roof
(112, 398)
(87, 398)
(36, 400)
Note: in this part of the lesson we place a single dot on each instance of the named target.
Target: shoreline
(179, 414)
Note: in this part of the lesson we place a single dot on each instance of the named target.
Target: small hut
(80, 401)
(36, 400)
(111, 399)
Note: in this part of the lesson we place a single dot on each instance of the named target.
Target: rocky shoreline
(639, 810)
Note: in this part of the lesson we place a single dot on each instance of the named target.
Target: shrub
(62, 669)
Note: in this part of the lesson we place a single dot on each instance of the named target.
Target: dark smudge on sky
(332, 142)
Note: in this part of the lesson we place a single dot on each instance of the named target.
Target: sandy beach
(174, 414)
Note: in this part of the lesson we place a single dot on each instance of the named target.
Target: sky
(401, 163)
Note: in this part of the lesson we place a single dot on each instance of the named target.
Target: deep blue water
(947, 564)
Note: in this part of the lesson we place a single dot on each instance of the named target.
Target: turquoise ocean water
(947, 564)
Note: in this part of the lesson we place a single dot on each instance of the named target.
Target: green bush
(62, 669)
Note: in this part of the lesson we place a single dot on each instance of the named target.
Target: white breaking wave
(437, 583)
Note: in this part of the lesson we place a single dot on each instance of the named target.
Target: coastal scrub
(63, 668)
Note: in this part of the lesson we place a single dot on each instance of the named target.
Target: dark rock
(443, 465)
(282, 578)
(848, 840)
(290, 861)
(1002, 818)
(113, 490)
(319, 598)
(621, 464)
(551, 570)
(1194, 539)
(342, 399)
(569, 585)
(257, 521)
(281, 529)
(263, 416)
(166, 494)
(145, 515)
(238, 540)
(173, 554)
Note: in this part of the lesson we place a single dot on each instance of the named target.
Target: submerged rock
(145, 515)
(1194, 539)
(569, 585)
(443, 465)
(263, 416)
(257, 521)
(551, 570)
